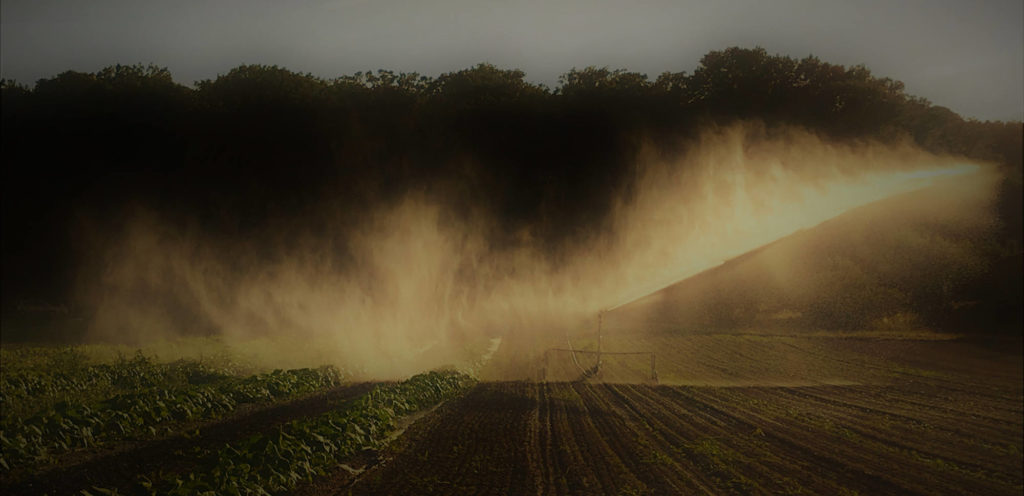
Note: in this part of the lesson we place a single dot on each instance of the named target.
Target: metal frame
(654, 370)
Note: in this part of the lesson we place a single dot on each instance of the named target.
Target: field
(73, 423)
(729, 414)
(908, 416)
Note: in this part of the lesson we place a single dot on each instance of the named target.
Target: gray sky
(966, 55)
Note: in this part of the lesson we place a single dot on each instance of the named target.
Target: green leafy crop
(68, 426)
(300, 450)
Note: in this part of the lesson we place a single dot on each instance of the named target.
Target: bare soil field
(912, 417)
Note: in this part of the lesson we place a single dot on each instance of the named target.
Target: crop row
(29, 390)
(66, 426)
(302, 449)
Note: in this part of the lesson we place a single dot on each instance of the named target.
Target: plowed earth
(576, 438)
(933, 418)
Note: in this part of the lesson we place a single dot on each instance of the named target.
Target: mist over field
(388, 221)
(420, 279)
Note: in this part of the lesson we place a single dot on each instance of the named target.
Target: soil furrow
(479, 444)
(919, 475)
(937, 443)
(658, 469)
(696, 445)
(792, 460)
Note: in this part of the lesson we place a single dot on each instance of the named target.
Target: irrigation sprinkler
(592, 371)
(596, 369)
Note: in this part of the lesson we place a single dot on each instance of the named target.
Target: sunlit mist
(421, 286)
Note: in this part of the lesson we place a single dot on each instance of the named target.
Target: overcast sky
(962, 54)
